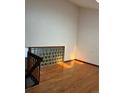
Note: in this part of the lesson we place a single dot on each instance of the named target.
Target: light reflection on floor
(70, 64)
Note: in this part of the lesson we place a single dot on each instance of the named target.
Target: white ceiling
(86, 3)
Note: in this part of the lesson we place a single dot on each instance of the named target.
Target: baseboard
(68, 61)
(82, 62)
(87, 62)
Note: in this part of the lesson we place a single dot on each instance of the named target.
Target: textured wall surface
(51, 55)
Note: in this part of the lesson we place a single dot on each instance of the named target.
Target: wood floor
(71, 77)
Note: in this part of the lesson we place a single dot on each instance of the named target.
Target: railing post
(29, 58)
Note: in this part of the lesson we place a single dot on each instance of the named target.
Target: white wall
(88, 36)
(51, 23)
(26, 51)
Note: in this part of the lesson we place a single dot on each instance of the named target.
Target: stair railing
(33, 70)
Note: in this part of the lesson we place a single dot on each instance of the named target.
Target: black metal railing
(33, 70)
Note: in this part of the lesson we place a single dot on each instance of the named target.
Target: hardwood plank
(71, 77)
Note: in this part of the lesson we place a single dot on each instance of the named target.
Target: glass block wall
(51, 55)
